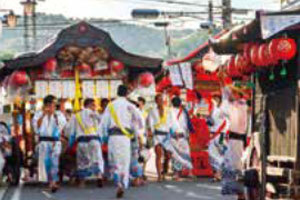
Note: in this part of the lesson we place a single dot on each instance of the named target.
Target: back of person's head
(69, 111)
(122, 91)
(176, 101)
(88, 102)
(142, 100)
(104, 101)
(49, 100)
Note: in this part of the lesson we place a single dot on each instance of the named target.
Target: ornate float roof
(82, 35)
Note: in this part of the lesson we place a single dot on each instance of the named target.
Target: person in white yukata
(235, 107)
(161, 123)
(217, 145)
(120, 123)
(181, 158)
(85, 126)
(48, 125)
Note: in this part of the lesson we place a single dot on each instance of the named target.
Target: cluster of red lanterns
(261, 55)
(51, 65)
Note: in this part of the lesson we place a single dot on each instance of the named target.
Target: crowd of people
(125, 127)
(115, 143)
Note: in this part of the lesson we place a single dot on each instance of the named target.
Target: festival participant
(136, 164)
(85, 125)
(106, 175)
(236, 109)
(161, 123)
(218, 130)
(145, 152)
(48, 125)
(120, 123)
(181, 159)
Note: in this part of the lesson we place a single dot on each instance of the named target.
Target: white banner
(270, 25)
(114, 87)
(68, 89)
(102, 88)
(55, 88)
(187, 75)
(175, 75)
(41, 88)
(88, 88)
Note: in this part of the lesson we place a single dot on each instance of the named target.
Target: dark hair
(157, 96)
(69, 111)
(104, 101)
(176, 102)
(134, 103)
(88, 102)
(142, 99)
(122, 91)
(49, 99)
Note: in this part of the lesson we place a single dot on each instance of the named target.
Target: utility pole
(210, 12)
(29, 24)
(226, 14)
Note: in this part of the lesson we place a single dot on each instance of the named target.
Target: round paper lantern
(246, 51)
(286, 48)
(272, 46)
(84, 68)
(231, 68)
(283, 48)
(50, 65)
(116, 65)
(146, 79)
(19, 78)
(241, 63)
(254, 55)
(264, 56)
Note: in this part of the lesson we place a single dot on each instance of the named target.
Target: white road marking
(17, 192)
(211, 187)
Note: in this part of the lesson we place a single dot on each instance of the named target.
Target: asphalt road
(188, 190)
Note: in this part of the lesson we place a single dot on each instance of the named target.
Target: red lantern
(116, 66)
(241, 63)
(84, 68)
(254, 55)
(146, 79)
(283, 48)
(231, 68)
(19, 78)
(264, 55)
(50, 65)
(246, 51)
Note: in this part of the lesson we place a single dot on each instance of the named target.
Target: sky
(121, 9)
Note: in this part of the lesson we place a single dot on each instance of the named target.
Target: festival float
(82, 62)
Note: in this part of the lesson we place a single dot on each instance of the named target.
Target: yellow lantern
(29, 7)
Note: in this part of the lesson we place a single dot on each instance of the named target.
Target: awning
(265, 26)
